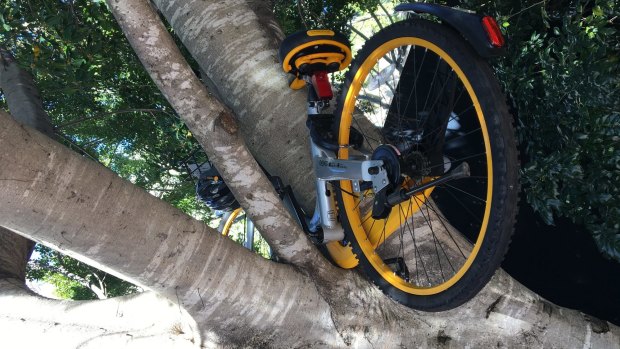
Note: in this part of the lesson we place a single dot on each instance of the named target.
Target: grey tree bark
(215, 127)
(56, 197)
(145, 320)
(26, 106)
(74, 205)
(22, 95)
(234, 48)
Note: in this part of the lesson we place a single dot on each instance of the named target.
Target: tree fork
(503, 314)
(54, 196)
(236, 44)
(201, 113)
(214, 127)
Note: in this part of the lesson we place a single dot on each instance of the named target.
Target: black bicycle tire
(505, 186)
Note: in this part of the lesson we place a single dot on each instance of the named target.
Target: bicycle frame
(323, 226)
(327, 168)
(384, 167)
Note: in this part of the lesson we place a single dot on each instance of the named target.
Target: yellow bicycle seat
(307, 52)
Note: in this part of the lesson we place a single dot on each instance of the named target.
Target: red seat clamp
(321, 84)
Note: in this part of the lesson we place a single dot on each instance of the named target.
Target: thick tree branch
(22, 95)
(78, 207)
(144, 320)
(14, 253)
(26, 106)
(234, 48)
(52, 195)
(215, 127)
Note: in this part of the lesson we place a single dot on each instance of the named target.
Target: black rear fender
(469, 25)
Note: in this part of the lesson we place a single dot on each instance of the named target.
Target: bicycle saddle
(307, 52)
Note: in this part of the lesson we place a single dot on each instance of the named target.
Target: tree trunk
(75, 206)
(14, 253)
(239, 54)
(215, 128)
(26, 107)
(50, 194)
(145, 320)
(22, 95)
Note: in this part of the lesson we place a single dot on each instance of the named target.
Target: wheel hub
(391, 161)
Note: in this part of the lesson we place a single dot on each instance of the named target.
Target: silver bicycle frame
(328, 168)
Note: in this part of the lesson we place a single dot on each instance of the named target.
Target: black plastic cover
(466, 23)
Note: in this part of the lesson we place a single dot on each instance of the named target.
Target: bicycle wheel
(427, 104)
(236, 225)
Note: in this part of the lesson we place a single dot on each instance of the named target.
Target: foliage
(563, 76)
(315, 14)
(74, 279)
(102, 103)
(97, 94)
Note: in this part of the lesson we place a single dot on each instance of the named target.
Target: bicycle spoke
(435, 240)
(464, 192)
(443, 221)
(465, 207)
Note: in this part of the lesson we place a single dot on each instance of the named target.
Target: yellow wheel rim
(231, 219)
(360, 225)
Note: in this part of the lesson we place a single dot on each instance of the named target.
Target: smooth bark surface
(22, 95)
(26, 106)
(215, 127)
(76, 206)
(236, 298)
(14, 254)
(239, 54)
(139, 321)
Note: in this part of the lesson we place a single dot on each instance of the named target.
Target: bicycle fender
(468, 24)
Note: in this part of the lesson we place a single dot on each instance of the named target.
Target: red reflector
(321, 84)
(495, 35)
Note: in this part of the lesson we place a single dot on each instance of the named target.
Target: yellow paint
(345, 50)
(362, 235)
(231, 219)
(297, 84)
(342, 255)
(379, 231)
(325, 58)
(318, 32)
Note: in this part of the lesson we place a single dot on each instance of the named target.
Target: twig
(73, 144)
(525, 9)
(301, 16)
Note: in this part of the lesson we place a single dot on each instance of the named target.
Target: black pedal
(401, 267)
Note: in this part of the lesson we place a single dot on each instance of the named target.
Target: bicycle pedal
(401, 267)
